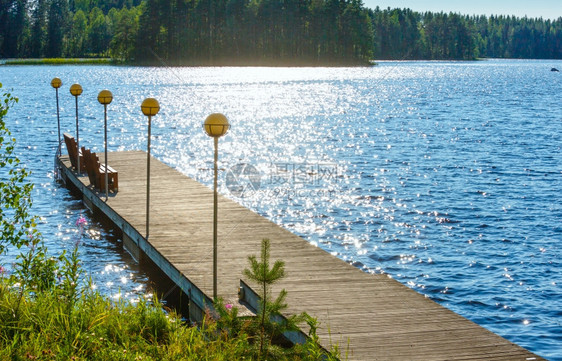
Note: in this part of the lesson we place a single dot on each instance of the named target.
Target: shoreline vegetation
(263, 33)
(110, 61)
(50, 311)
(58, 61)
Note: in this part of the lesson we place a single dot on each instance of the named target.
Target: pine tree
(56, 27)
(265, 276)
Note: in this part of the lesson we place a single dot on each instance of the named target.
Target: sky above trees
(548, 9)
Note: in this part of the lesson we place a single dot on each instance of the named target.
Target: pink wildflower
(228, 306)
(81, 221)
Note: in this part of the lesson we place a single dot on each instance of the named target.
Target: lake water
(445, 175)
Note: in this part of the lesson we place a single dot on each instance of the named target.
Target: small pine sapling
(265, 275)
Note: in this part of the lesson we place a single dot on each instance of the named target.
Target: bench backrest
(91, 167)
(72, 148)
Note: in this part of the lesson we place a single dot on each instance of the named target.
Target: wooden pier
(376, 316)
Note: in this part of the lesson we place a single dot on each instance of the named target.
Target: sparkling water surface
(445, 175)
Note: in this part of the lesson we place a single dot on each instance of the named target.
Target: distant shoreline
(57, 61)
(265, 63)
(219, 63)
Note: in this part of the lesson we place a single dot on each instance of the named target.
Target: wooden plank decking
(377, 316)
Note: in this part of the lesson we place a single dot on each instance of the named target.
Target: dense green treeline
(67, 28)
(293, 32)
(257, 31)
(189, 31)
(509, 37)
(405, 34)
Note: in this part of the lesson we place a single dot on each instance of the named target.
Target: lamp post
(56, 83)
(105, 97)
(149, 108)
(216, 125)
(76, 90)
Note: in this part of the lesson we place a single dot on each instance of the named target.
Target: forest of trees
(262, 31)
(405, 34)
(296, 32)
(189, 31)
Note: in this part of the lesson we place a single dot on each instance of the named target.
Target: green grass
(48, 325)
(42, 327)
(60, 61)
(47, 313)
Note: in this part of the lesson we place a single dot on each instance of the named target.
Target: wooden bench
(73, 152)
(96, 172)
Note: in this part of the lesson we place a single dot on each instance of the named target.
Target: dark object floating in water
(554, 69)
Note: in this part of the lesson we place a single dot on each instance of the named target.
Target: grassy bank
(157, 63)
(50, 326)
(47, 313)
(59, 61)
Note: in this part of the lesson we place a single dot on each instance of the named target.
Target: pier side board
(375, 316)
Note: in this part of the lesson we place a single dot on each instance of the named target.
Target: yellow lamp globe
(105, 97)
(216, 125)
(76, 89)
(150, 107)
(56, 83)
